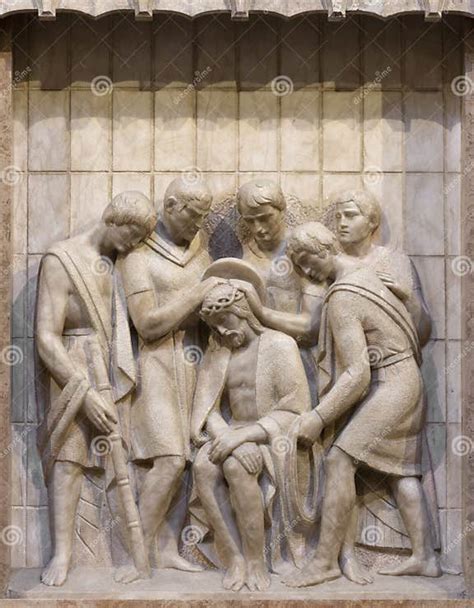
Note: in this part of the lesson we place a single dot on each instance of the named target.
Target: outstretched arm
(153, 321)
(303, 326)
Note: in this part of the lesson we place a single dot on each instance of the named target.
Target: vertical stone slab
(467, 222)
(5, 265)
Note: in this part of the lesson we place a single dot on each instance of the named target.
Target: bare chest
(241, 383)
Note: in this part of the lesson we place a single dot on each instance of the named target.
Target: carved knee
(170, 465)
(233, 470)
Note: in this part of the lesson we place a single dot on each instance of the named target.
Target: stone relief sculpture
(380, 419)
(356, 216)
(250, 389)
(255, 423)
(163, 289)
(83, 340)
(293, 304)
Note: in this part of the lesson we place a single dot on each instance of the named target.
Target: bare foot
(129, 574)
(414, 566)
(352, 570)
(258, 577)
(234, 578)
(56, 571)
(313, 573)
(178, 563)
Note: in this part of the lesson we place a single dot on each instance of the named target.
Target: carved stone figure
(262, 206)
(293, 304)
(371, 390)
(357, 216)
(251, 387)
(163, 289)
(76, 339)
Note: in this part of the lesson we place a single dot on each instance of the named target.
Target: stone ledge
(171, 585)
(240, 9)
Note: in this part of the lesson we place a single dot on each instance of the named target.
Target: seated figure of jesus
(251, 387)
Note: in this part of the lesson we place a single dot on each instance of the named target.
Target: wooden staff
(119, 460)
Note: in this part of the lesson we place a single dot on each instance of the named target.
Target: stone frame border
(240, 9)
(467, 362)
(467, 301)
(6, 203)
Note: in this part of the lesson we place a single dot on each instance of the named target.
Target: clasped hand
(99, 412)
(309, 428)
(224, 444)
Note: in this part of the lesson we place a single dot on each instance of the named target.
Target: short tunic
(384, 428)
(166, 367)
(79, 446)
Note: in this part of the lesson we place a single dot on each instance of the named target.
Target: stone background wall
(142, 123)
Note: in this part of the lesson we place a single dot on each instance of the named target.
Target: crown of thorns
(221, 297)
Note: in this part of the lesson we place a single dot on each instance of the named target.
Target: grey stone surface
(287, 157)
(381, 8)
(172, 585)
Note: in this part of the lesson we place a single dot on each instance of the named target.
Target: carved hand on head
(249, 456)
(251, 295)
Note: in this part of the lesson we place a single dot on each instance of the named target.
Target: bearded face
(229, 328)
